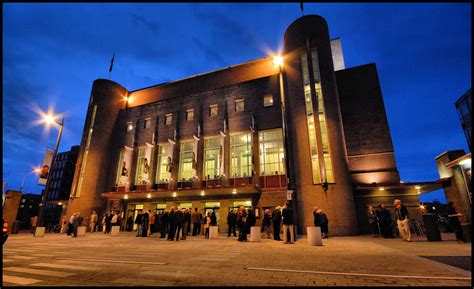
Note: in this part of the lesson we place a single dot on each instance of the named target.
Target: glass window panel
(186, 162)
(213, 110)
(168, 119)
(239, 105)
(241, 155)
(271, 152)
(190, 115)
(162, 164)
(212, 158)
(268, 100)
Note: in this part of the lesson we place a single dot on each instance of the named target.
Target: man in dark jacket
(108, 222)
(385, 219)
(231, 222)
(171, 231)
(196, 222)
(403, 220)
(138, 221)
(178, 222)
(186, 221)
(213, 218)
(145, 223)
(317, 220)
(163, 224)
(267, 223)
(251, 220)
(242, 223)
(276, 219)
(287, 215)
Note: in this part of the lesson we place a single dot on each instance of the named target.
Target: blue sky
(53, 52)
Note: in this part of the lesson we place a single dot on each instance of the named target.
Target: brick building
(61, 181)
(245, 135)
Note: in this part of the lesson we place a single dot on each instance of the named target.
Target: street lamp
(50, 119)
(36, 171)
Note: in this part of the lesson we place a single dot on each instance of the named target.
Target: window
(147, 123)
(213, 110)
(186, 161)
(267, 100)
(239, 105)
(326, 157)
(129, 126)
(143, 167)
(212, 158)
(168, 119)
(272, 155)
(241, 155)
(163, 162)
(189, 114)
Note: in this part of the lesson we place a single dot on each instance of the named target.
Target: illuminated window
(241, 155)
(267, 100)
(272, 155)
(213, 110)
(189, 114)
(129, 126)
(147, 123)
(168, 119)
(143, 167)
(186, 161)
(162, 164)
(212, 158)
(326, 158)
(239, 105)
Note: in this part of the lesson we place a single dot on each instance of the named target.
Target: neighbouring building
(255, 134)
(464, 107)
(55, 203)
(28, 208)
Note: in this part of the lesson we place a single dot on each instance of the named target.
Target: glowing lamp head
(148, 196)
(203, 193)
(278, 60)
(37, 170)
(125, 197)
(49, 119)
(234, 191)
(381, 189)
(60, 204)
(174, 194)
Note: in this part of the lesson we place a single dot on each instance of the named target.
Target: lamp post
(36, 170)
(50, 120)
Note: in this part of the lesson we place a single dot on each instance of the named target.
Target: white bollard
(81, 230)
(255, 235)
(213, 232)
(39, 232)
(115, 231)
(314, 236)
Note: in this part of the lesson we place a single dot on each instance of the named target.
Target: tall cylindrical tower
(319, 157)
(92, 168)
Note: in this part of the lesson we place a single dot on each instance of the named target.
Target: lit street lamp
(50, 119)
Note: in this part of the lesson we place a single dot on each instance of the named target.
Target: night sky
(53, 52)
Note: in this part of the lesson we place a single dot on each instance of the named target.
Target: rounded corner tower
(318, 151)
(92, 168)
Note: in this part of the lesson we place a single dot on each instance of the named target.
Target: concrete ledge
(39, 232)
(255, 235)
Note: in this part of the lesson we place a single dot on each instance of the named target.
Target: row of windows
(55, 184)
(58, 174)
(271, 154)
(238, 107)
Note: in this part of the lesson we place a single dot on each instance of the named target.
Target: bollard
(213, 232)
(81, 230)
(314, 236)
(115, 231)
(39, 232)
(255, 235)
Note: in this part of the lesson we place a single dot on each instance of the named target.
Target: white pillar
(115, 231)
(314, 236)
(213, 232)
(255, 235)
(39, 231)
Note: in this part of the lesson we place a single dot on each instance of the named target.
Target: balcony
(240, 181)
(272, 181)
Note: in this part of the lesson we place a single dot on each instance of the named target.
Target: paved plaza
(125, 260)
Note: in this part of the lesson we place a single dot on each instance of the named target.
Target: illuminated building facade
(249, 134)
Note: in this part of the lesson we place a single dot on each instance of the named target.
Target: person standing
(454, 222)
(287, 215)
(70, 229)
(231, 222)
(114, 220)
(324, 224)
(403, 220)
(207, 225)
(152, 223)
(145, 223)
(385, 219)
(178, 223)
(196, 222)
(186, 222)
(203, 222)
(267, 223)
(108, 222)
(138, 222)
(317, 220)
(172, 227)
(373, 221)
(213, 218)
(94, 218)
(163, 224)
(251, 220)
(34, 223)
(242, 224)
(63, 225)
(130, 223)
(76, 223)
(276, 220)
